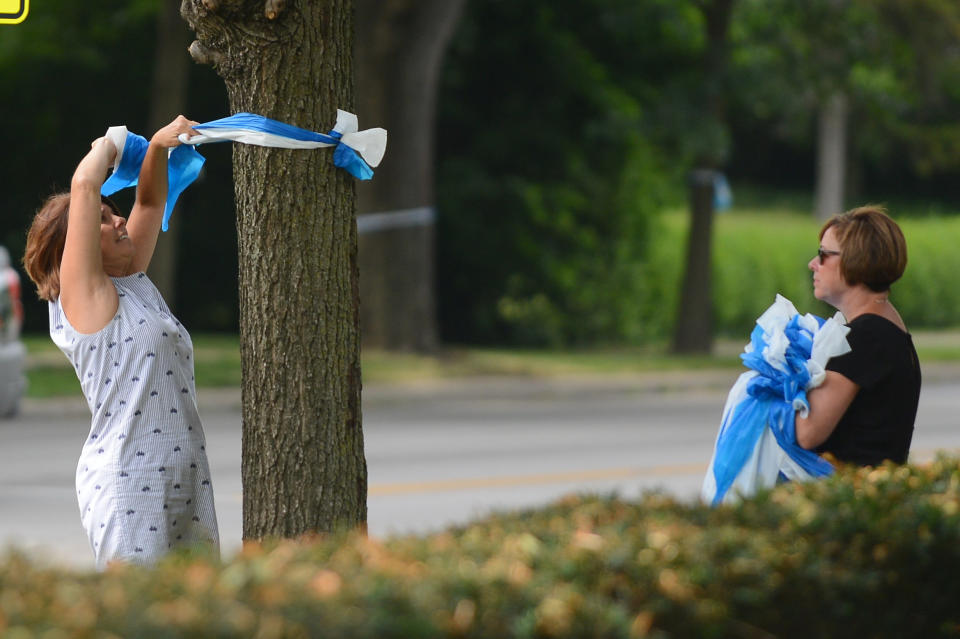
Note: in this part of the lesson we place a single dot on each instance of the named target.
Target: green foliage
(896, 60)
(759, 253)
(553, 241)
(546, 181)
(66, 73)
(563, 125)
(927, 296)
(867, 553)
(763, 250)
(69, 71)
(756, 256)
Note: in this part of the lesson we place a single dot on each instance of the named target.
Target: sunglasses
(823, 254)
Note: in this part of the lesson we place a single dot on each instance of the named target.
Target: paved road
(437, 455)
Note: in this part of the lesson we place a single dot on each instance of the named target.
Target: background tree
(68, 72)
(816, 48)
(303, 467)
(399, 49)
(566, 127)
(693, 330)
(547, 181)
(915, 98)
(60, 86)
(812, 69)
(168, 97)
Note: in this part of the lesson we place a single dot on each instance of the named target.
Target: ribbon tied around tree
(354, 150)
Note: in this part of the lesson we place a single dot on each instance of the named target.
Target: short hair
(45, 241)
(873, 250)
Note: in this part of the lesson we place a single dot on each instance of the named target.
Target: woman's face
(115, 245)
(828, 284)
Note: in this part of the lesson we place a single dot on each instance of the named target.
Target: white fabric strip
(371, 144)
(404, 218)
(117, 135)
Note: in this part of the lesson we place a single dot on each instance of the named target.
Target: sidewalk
(486, 387)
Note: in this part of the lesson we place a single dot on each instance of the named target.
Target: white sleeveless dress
(143, 481)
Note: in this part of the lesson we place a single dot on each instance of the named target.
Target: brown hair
(45, 241)
(873, 249)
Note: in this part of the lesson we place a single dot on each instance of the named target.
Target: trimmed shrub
(869, 552)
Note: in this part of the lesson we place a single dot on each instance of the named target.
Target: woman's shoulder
(876, 324)
(876, 336)
(878, 346)
(67, 336)
(133, 288)
(136, 283)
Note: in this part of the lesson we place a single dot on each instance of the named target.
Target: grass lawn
(217, 360)
(760, 218)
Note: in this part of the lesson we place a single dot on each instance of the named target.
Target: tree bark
(168, 98)
(303, 467)
(693, 330)
(399, 49)
(831, 156)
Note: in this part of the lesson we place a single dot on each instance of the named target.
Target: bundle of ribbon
(756, 446)
(355, 151)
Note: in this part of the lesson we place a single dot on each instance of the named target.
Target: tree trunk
(399, 48)
(168, 98)
(693, 330)
(303, 467)
(831, 156)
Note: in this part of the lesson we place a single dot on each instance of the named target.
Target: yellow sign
(13, 11)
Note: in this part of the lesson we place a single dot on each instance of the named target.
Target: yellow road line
(447, 485)
(452, 485)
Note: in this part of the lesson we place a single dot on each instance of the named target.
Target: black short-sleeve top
(878, 425)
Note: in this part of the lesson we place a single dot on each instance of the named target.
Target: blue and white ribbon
(757, 446)
(355, 151)
(183, 167)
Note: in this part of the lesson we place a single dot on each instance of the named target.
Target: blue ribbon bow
(184, 163)
(774, 395)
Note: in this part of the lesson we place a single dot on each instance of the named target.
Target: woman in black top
(863, 413)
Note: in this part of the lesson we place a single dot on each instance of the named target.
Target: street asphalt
(440, 453)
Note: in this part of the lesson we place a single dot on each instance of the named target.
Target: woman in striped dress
(143, 481)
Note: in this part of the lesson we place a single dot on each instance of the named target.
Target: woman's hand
(168, 136)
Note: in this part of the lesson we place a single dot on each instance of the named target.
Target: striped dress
(143, 481)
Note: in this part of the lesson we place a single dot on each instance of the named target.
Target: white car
(13, 353)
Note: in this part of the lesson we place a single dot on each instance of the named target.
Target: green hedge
(757, 255)
(869, 553)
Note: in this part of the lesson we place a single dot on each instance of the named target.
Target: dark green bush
(868, 553)
(546, 178)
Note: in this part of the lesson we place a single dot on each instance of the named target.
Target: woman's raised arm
(147, 214)
(88, 297)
